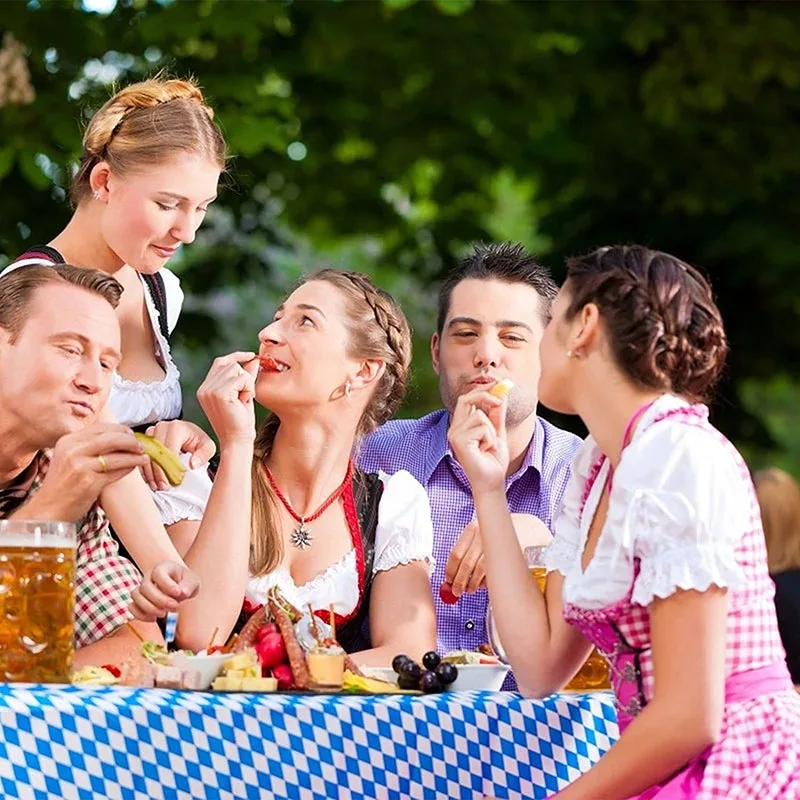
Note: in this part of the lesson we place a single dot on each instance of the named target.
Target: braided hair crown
(663, 326)
(378, 330)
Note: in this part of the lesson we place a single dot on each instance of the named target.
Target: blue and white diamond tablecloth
(65, 742)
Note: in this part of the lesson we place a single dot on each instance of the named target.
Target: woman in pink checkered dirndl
(658, 557)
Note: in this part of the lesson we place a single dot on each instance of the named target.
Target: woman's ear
(586, 326)
(98, 180)
(370, 372)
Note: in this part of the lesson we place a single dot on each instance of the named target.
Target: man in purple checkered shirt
(493, 308)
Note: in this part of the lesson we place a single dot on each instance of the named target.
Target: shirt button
(469, 625)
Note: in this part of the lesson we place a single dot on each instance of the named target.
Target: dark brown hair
(144, 122)
(18, 287)
(663, 326)
(506, 262)
(378, 330)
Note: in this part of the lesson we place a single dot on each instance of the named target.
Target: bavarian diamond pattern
(67, 742)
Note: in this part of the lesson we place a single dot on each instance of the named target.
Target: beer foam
(34, 539)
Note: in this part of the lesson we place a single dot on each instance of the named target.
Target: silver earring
(347, 390)
(96, 195)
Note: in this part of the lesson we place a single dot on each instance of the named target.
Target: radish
(271, 650)
(270, 627)
(283, 674)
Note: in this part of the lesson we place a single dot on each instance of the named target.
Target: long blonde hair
(143, 123)
(779, 498)
(377, 329)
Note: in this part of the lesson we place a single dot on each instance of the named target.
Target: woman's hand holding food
(162, 590)
(180, 436)
(478, 437)
(227, 394)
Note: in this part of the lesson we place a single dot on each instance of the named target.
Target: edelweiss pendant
(301, 536)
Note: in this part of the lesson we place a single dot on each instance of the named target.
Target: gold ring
(103, 465)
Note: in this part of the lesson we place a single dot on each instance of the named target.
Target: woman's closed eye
(165, 206)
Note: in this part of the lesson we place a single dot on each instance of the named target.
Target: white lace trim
(560, 555)
(401, 553)
(173, 509)
(693, 567)
(337, 585)
(141, 402)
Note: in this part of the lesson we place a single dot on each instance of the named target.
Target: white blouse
(404, 534)
(674, 507)
(138, 402)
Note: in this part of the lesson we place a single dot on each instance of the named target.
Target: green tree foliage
(394, 133)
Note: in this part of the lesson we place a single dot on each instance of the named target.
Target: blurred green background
(386, 136)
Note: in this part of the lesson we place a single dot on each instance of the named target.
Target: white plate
(483, 677)
(209, 667)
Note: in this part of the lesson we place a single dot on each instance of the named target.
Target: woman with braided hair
(152, 158)
(658, 558)
(332, 366)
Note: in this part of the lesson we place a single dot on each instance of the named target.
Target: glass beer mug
(593, 675)
(37, 601)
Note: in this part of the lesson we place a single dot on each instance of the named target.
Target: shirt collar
(439, 448)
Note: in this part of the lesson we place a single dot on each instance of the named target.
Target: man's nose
(487, 354)
(90, 376)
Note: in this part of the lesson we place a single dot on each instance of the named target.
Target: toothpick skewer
(211, 640)
(314, 628)
(135, 632)
(333, 622)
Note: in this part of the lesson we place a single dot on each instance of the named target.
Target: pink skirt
(758, 754)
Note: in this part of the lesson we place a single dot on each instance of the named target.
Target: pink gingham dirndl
(757, 756)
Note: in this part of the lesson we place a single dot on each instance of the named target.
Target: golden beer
(593, 675)
(37, 601)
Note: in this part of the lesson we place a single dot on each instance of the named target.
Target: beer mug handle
(494, 639)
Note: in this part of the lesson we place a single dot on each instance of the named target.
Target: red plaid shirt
(104, 579)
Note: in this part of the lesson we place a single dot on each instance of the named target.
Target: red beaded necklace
(301, 536)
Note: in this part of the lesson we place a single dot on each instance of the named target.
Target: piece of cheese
(240, 661)
(259, 684)
(502, 388)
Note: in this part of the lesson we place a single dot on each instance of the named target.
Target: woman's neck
(309, 460)
(608, 409)
(81, 243)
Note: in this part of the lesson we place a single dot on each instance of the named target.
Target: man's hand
(180, 436)
(465, 571)
(83, 464)
(165, 587)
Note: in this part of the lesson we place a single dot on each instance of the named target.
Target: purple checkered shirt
(421, 447)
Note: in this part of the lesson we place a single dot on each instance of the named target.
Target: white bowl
(471, 677)
(209, 667)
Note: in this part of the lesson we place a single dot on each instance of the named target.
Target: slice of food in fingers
(270, 364)
(160, 454)
(502, 388)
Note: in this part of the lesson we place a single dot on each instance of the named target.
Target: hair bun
(145, 94)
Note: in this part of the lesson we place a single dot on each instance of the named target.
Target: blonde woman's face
(308, 342)
(150, 213)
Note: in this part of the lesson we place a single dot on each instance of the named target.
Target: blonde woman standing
(151, 162)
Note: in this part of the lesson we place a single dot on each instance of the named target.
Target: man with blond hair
(59, 350)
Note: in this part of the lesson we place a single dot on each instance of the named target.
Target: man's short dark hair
(18, 287)
(507, 262)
